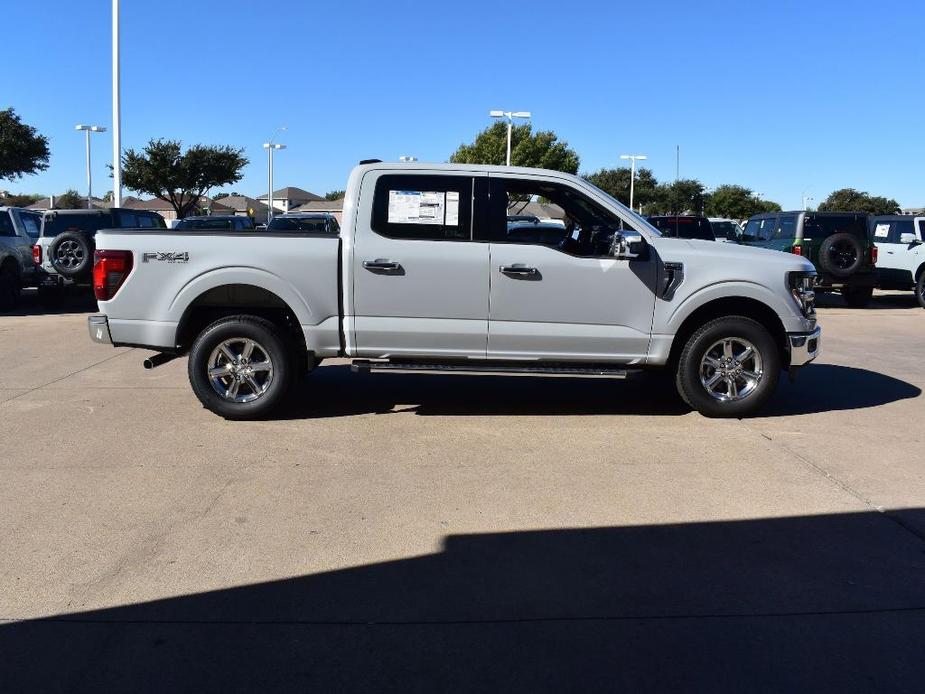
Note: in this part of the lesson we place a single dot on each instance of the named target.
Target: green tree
(616, 182)
(20, 200)
(542, 149)
(179, 178)
(70, 200)
(736, 202)
(678, 197)
(335, 194)
(851, 200)
(22, 149)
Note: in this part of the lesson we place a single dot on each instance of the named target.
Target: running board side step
(476, 369)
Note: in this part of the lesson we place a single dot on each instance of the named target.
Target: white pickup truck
(428, 275)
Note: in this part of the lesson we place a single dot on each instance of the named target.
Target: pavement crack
(66, 376)
(841, 484)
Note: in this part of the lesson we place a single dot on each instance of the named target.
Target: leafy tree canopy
(616, 182)
(23, 200)
(542, 149)
(736, 202)
(22, 149)
(179, 178)
(70, 200)
(851, 200)
(683, 195)
(335, 194)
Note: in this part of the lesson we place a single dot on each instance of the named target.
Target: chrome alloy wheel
(69, 254)
(240, 370)
(731, 369)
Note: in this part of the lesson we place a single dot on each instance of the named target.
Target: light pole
(270, 146)
(633, 158)
(510, 115)
(116, 112)
(87, 130)
(806, 199)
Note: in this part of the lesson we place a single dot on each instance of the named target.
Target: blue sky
(783, 97)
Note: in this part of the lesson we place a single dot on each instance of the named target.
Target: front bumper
(99, 329)
(804, 347)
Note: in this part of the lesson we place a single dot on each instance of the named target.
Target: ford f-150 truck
(423, 277)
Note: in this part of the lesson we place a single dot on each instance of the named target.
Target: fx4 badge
(166, 257)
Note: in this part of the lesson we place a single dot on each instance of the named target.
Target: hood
(738, 257)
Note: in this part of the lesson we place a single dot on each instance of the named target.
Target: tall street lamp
(510, 115)
(87, 130)
(270, 146)
(116, 112)
(633, 158)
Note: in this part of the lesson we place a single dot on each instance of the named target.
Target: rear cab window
(31, 223)
(58, 223)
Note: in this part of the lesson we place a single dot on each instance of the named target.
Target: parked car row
(54, 249)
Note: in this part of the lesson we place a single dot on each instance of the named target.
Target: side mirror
(627, 245)
(907, 238)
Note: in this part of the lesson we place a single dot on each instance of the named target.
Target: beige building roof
(321, 206)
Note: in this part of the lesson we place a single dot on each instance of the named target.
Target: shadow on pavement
(813, 603)
(879, 301)
(332, 391)
(70, 300)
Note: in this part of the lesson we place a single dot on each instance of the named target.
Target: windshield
(637, 220)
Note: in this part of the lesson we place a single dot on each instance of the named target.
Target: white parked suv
(428, 276)
(901, 253)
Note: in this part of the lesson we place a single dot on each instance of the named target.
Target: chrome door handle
(381, 265)
(518, 269)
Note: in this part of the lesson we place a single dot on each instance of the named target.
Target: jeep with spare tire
(63, 253)
(837, 243)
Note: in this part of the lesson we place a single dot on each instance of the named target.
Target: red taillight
(110, 268)
(797, 250)
(37, 255)
(873, 254)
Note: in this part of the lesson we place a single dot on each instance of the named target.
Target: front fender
(675, 315)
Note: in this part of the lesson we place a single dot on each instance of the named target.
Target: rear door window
(411, 206)
(787, 227)
(6, 224)
(32, 223)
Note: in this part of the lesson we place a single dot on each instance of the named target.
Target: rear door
(420, 281)
(563, 298)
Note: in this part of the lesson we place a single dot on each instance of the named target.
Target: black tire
(841, 255)
(9, 286)
(71, 255)
(857, 297)
(920, 288)
(693, 370)
(275, 346)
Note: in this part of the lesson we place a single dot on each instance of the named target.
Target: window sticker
(882, 231)
(423, 207)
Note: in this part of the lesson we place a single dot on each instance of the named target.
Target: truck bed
(176, 270)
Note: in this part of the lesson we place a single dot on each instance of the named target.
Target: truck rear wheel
(240, 367)
(729, 368)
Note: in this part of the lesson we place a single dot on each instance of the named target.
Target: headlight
(802, 288)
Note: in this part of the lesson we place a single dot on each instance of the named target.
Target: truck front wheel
(729, 368)
(240, 367)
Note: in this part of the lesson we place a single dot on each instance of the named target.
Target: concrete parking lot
(442, 533)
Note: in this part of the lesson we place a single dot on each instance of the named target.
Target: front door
(556, 291)
(420, 281)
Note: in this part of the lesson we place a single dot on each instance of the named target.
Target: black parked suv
(63, 253)
(684, 226)
(837, 243)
